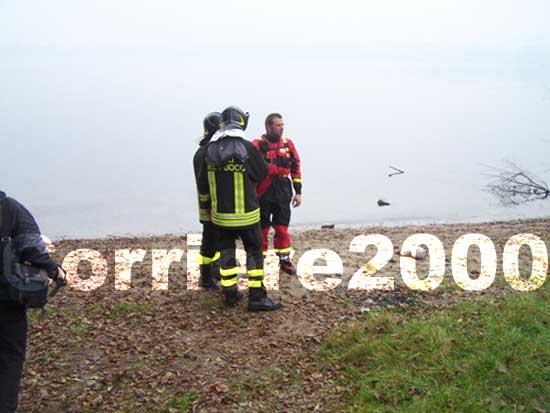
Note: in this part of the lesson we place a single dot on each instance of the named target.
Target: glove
(60, 280)
(58, 274)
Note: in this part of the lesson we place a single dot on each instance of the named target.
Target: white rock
(420, 253)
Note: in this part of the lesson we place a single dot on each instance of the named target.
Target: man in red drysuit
(275, 192)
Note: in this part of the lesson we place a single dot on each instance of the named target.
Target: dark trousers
(210, 239)
(275, 203)
(275, 212)
(13, 343)
(252, 242)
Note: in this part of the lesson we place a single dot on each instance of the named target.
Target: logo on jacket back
(231, 166)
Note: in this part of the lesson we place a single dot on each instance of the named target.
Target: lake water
(100, 142)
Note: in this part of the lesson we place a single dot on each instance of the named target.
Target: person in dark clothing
(209, 253)
(18, 224)
(231, 169)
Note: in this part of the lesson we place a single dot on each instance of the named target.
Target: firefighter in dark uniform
(18, 224)
(231, 170)
(275, 192)
(209, 254)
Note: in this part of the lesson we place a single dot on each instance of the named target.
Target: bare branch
(513, 185)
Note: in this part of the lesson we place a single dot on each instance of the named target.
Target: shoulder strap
(4, 235)
(286, 145)
(264, 146)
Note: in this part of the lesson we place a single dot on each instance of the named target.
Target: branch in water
(513, 185)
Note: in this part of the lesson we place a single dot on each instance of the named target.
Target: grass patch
(209, 301)
(475, 356)
(124, 308)
(183, 403)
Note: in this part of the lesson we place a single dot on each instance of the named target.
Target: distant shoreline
(300, 228)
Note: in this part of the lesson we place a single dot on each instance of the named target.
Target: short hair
(269, 119)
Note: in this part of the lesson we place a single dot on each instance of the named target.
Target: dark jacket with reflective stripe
(18, 221)
(232, 188)
(203, 192)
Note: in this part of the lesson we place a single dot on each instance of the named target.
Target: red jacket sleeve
(296, 168)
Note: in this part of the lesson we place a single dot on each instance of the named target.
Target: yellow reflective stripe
(212, 185)
(236, 191)
(204, 260)
(297, 180)
(254, 284)
(246, 215)
(229, 282)
(238, 182)
(208, 260)
(204, 197)
(228, 272)
(232, 220)
(255, 273)
(229, 276)
(282, 250)
(235, 224)
(241, 184)
(216, 256)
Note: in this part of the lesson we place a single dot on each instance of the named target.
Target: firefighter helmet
(211, 124)
(234, 117)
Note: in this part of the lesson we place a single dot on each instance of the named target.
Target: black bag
(24, 284)
(225, 150)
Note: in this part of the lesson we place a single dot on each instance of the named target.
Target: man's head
(274, 125)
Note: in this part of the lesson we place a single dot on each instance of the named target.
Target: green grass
(183, 403)
(475, 356)
(124, 308)
(210, 301)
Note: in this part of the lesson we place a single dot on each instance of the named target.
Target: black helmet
(211, 124)
(234, 117)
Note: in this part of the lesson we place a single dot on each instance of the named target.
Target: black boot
(206, 279)
(259, 301)
(231, 295)
(286, 265)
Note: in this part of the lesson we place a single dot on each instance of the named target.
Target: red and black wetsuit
(275, 192)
